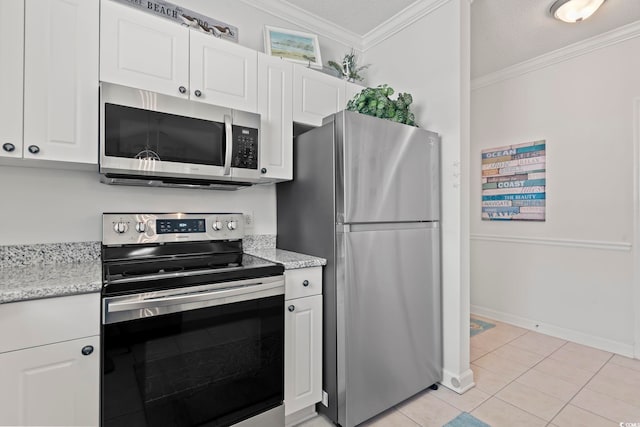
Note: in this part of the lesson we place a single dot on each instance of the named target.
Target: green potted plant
(349, 68)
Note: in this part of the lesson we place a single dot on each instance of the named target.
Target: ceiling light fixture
(574, 10)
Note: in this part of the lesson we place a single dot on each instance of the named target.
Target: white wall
(42, 205)
(572, 275)
(430, 60)
(251, 21)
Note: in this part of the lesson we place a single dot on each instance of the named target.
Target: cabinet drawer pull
(34, 149)
(263, 170)
(182, 89)
(291, 307)
(197, 93)
(9, 147)
(87, 350)
(305, 283)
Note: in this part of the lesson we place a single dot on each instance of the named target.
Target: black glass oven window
(212, 366)
(136, 133)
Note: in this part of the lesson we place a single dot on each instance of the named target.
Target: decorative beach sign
(291, 45)
(514, 182)
(186, 17)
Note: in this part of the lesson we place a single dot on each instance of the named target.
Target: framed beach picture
(292, 45)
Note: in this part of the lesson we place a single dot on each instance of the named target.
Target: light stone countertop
(30, 272)
(22, 283)
(290, 260)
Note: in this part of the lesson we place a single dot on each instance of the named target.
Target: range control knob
(141, 227)
(217, 225)
(231, 225)
(120, 227)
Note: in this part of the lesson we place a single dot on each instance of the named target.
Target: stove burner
(143, 272)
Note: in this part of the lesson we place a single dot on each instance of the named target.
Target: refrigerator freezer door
(389, 320)
(390, 172)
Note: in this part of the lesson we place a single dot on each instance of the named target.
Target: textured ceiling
(506, 32)
(358, 16)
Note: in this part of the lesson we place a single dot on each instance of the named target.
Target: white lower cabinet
(303, 341)
(50, 361)
(53, 385)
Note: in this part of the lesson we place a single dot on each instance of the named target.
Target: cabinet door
(275, 94)
(61, 80)
(49, 385)
(143, 51)
(315, 95)
(351, 89)
(303, 353)
(11, 52)
(223, 73)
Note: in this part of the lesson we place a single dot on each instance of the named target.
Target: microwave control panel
(245, 148)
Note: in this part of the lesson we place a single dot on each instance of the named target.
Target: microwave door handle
(228, 135)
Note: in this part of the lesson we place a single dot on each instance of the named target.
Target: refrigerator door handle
(383, 226)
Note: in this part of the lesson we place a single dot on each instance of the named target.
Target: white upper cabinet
(275, 94)
(49, 80)
(11, 74)
(223, 73)
(351, 90)
(143, 51)
(315, 95)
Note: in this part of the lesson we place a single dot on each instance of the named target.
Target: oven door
(208, 355)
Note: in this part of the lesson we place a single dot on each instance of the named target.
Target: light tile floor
(524, 378)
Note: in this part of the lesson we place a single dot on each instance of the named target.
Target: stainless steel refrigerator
(366, 196)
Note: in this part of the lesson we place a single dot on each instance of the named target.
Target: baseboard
(556, 331)
(300, 416)
(458, 383)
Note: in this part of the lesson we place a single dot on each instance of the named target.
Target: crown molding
(300, 17)
(583, 47)
(400, 21)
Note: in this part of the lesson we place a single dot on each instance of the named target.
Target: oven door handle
(218, 294)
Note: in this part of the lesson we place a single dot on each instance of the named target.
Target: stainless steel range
(192, 328)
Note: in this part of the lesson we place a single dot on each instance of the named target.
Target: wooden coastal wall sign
(186, 17)
(514, 182)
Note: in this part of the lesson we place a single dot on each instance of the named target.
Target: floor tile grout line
(582, 388)
(570, 400)
(530, 369)
(519, 408)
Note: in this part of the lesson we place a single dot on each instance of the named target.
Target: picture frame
(292, 45)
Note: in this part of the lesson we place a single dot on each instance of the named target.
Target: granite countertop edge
(290, 260)
(38, 281)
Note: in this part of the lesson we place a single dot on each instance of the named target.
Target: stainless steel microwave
(152, 139)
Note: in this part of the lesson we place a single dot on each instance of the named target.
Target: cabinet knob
(182, 89)
(34, 149)
(87, 350)
(263, 170)
(9, 147)
(305, 283)
(197, 93)
(291, 307)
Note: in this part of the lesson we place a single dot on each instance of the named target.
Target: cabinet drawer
(44, 321)
(302, 282)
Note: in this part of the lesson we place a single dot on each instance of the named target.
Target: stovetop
(150, 252)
